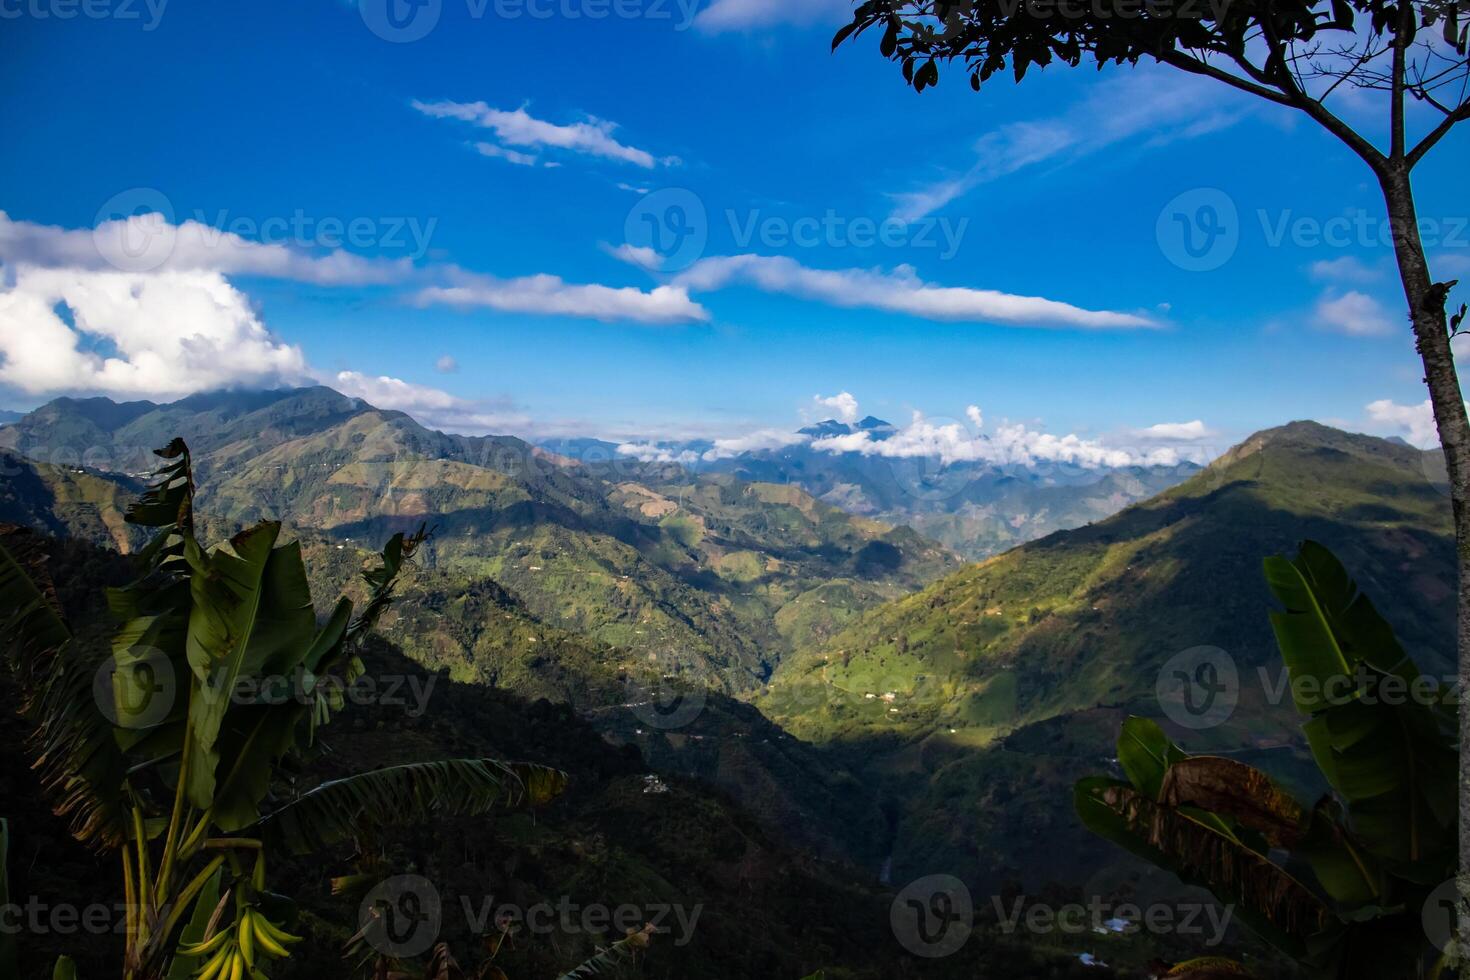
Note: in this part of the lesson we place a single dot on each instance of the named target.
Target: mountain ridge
(942, 695)
(691, 569)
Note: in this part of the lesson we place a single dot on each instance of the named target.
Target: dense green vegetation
(170, 741)
(899, 733)
(620, 836)
(1352, 896)
(1009, 674)
(695, 573)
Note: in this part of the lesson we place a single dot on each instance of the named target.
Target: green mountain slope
(976, 700)
(695, 574)
(624, 835)
(1086, 617)
(67, 502)
(543, 577)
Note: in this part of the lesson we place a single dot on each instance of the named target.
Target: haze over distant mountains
(976, 493)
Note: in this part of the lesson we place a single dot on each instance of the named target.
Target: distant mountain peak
(830, 428)
(1305, 434)
(826, 429)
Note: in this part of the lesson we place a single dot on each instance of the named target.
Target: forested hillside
(982, 696)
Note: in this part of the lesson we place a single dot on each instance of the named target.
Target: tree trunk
(1431, 334)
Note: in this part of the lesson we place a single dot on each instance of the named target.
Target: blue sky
(503, 146)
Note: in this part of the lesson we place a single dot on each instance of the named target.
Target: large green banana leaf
(1265, 896)
(613, 960)
(405, 795)
(1386, 750)
(79, 765)
(251, 613)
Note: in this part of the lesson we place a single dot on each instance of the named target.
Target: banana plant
(1363, 860)
(614, 959)
(170, 744)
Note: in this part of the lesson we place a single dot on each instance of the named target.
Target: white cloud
(1414, 422)
(742, 15)
(951, 442)
(899, 291)
(1010, 445)
(512, 156)
(651, 452)
(1355, 314)
(173, 324)
(132, 334)
(843, 404)
(955, 443)
(642, 256)
(1144, 106)
(195, 247)
(150, 243)
(431, 406)
(1175, 432)
(548, 294)
(1346, 270)
(754, 442)
(517, 127)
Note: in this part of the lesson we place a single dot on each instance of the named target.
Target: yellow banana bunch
(226, 963)
(232, 952)
(269, 938)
